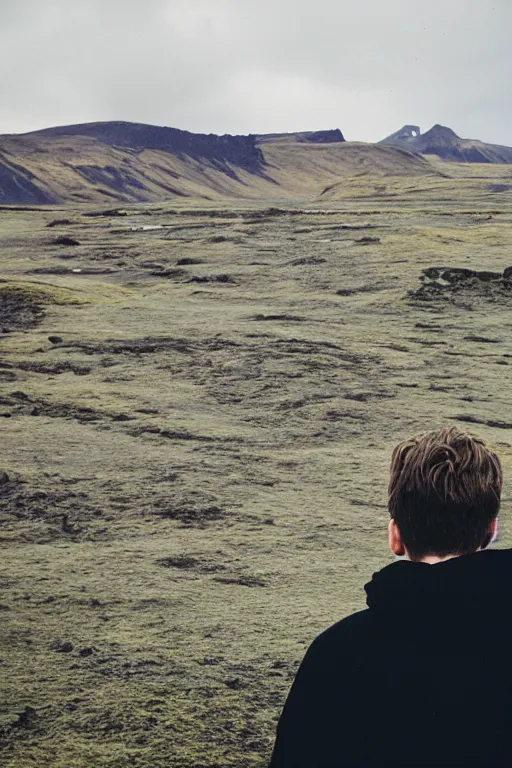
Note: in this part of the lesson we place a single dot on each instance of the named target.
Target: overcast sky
(255, 66)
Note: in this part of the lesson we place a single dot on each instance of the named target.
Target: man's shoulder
(344, 652)
(355, 629)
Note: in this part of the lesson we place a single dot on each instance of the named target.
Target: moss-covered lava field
(198, 403)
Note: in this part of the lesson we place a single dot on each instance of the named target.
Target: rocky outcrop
(322, 137)
(334, 136)
(444, 282)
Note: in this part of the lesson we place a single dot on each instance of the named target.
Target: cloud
(239, 66)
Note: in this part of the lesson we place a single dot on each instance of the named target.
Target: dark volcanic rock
(58, 222)
(315, 137)
(62, 647)
(455, 275)
(486, 276)
(212, 279)
(65, 240)
(324, 137)
(188, 260)
(443, 282)
(18, 308)
(26, 717)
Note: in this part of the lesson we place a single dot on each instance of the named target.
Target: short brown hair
(444, 492)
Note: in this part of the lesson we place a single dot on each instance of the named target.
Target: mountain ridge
(135, 162)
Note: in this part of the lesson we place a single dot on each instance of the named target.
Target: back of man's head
(444, 493)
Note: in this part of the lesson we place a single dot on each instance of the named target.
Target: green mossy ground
(197, 470)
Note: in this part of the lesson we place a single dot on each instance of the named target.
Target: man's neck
(433, 559)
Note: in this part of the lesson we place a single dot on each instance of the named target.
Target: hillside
(445, 143)
(127, 162)
(241, 151)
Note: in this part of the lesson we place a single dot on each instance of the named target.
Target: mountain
(445, 143)
(130, 162)
(241, 151)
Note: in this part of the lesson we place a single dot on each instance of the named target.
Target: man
(423, 676)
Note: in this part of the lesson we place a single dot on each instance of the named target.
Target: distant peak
(406, 134)
(440, 132)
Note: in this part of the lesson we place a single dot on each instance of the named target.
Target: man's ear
(492, 534)
(395, 540)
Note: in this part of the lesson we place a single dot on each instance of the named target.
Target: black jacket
(422, 677)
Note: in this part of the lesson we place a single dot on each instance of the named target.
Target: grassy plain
(197, 469)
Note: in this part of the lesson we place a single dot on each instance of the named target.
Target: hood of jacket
(467, 598)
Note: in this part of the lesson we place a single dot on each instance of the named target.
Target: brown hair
(444, 492)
